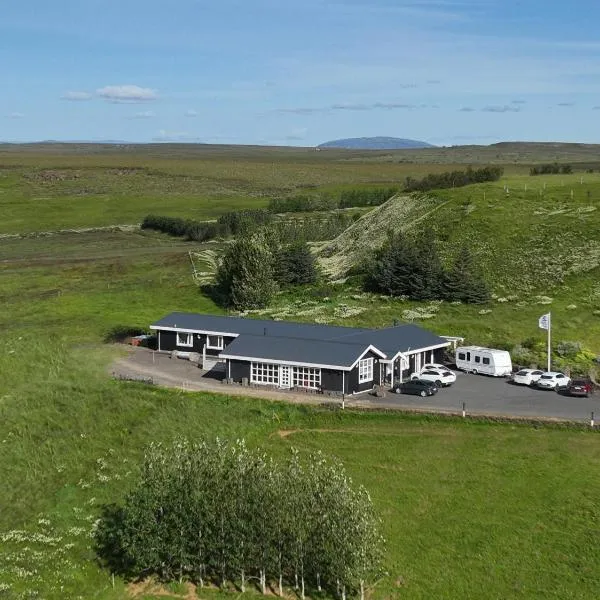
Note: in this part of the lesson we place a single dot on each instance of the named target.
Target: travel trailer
(487, 361)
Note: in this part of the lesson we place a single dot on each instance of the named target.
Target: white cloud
(165, 135)
(501, 109)
(191, 113)
(146, 114)
(76, 96)
(126, 93)
(15, 115)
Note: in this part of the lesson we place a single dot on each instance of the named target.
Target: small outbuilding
(344, 360)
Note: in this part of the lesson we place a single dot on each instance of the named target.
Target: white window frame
(306, 377)
(365, 370)
(264, 373)
(189, 343)
(219, 345)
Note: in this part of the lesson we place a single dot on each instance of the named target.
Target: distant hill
(376, 143)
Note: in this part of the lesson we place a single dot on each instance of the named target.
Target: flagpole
(549, 342)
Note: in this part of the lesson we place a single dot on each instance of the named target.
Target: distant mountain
(376, 143)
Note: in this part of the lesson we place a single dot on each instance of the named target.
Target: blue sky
(300, 72)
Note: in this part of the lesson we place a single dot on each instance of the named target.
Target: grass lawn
(470, 510)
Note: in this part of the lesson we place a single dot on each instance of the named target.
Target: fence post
(464, 410)
(592, 420)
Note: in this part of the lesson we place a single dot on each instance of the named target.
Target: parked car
(580, 387)
(441, 377)
(435, 366)
(417, 387)
(552, 380)
(527, 376)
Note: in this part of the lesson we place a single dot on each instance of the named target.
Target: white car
(435, 366)
(552, 380)
(441, 377)
(527, 376)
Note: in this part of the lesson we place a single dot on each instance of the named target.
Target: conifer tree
(245, 277)
(295, 265)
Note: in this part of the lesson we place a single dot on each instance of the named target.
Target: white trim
(277, 361)
(159, 341)
(369, 349)
(408, 353)
(190, 339)
(186, 330)
(368, 365)
(219, 339)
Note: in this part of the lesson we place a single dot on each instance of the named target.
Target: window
(264, 373)
(461, 356)
(215, 342)
(477, 359)
(306, 377)
(185, 339)
(365, 370)
(486, 361)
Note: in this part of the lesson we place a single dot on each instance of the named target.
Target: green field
(470, 509)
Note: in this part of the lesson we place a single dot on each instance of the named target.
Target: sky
(300, 72)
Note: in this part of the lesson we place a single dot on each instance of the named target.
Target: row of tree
(244, 222)
(219, 512)
(452, 179)
(551, 169)
(254, 267)
(412, 268)
(229, 224)
(370, 196)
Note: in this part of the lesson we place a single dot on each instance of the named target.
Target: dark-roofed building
(301, 355)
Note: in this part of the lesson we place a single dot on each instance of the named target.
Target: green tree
(295, 265)
(393, 268)
(245, 278)
(463, 281)
(428, 273)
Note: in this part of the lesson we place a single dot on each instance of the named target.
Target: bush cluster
(254, 267)
(452, 179)
(229, 224)
(412, 268)
(219, 512)
(551, 169)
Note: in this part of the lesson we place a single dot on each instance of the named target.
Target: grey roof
(315, 352)
(400, 338)
(241, 325)
(303, 342)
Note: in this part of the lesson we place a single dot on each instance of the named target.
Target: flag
(544, 322)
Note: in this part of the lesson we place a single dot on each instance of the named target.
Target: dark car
(580, 387)
(417, 387)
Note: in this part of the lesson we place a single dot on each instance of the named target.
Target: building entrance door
(284, 376)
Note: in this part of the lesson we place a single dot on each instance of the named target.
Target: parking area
(481, 395)
(496, 396)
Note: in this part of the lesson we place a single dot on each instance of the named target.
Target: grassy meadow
(469, 509)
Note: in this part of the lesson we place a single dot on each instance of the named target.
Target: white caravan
(475, 359)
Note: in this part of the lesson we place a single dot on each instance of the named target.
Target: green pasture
(469, 509)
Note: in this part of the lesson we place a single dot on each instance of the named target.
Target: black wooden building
(284, 354)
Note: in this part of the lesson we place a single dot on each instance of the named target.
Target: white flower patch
(344, 311)
(543, 300)
(455, 302)
(485, 311)
(501, 299)
(572, 307)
